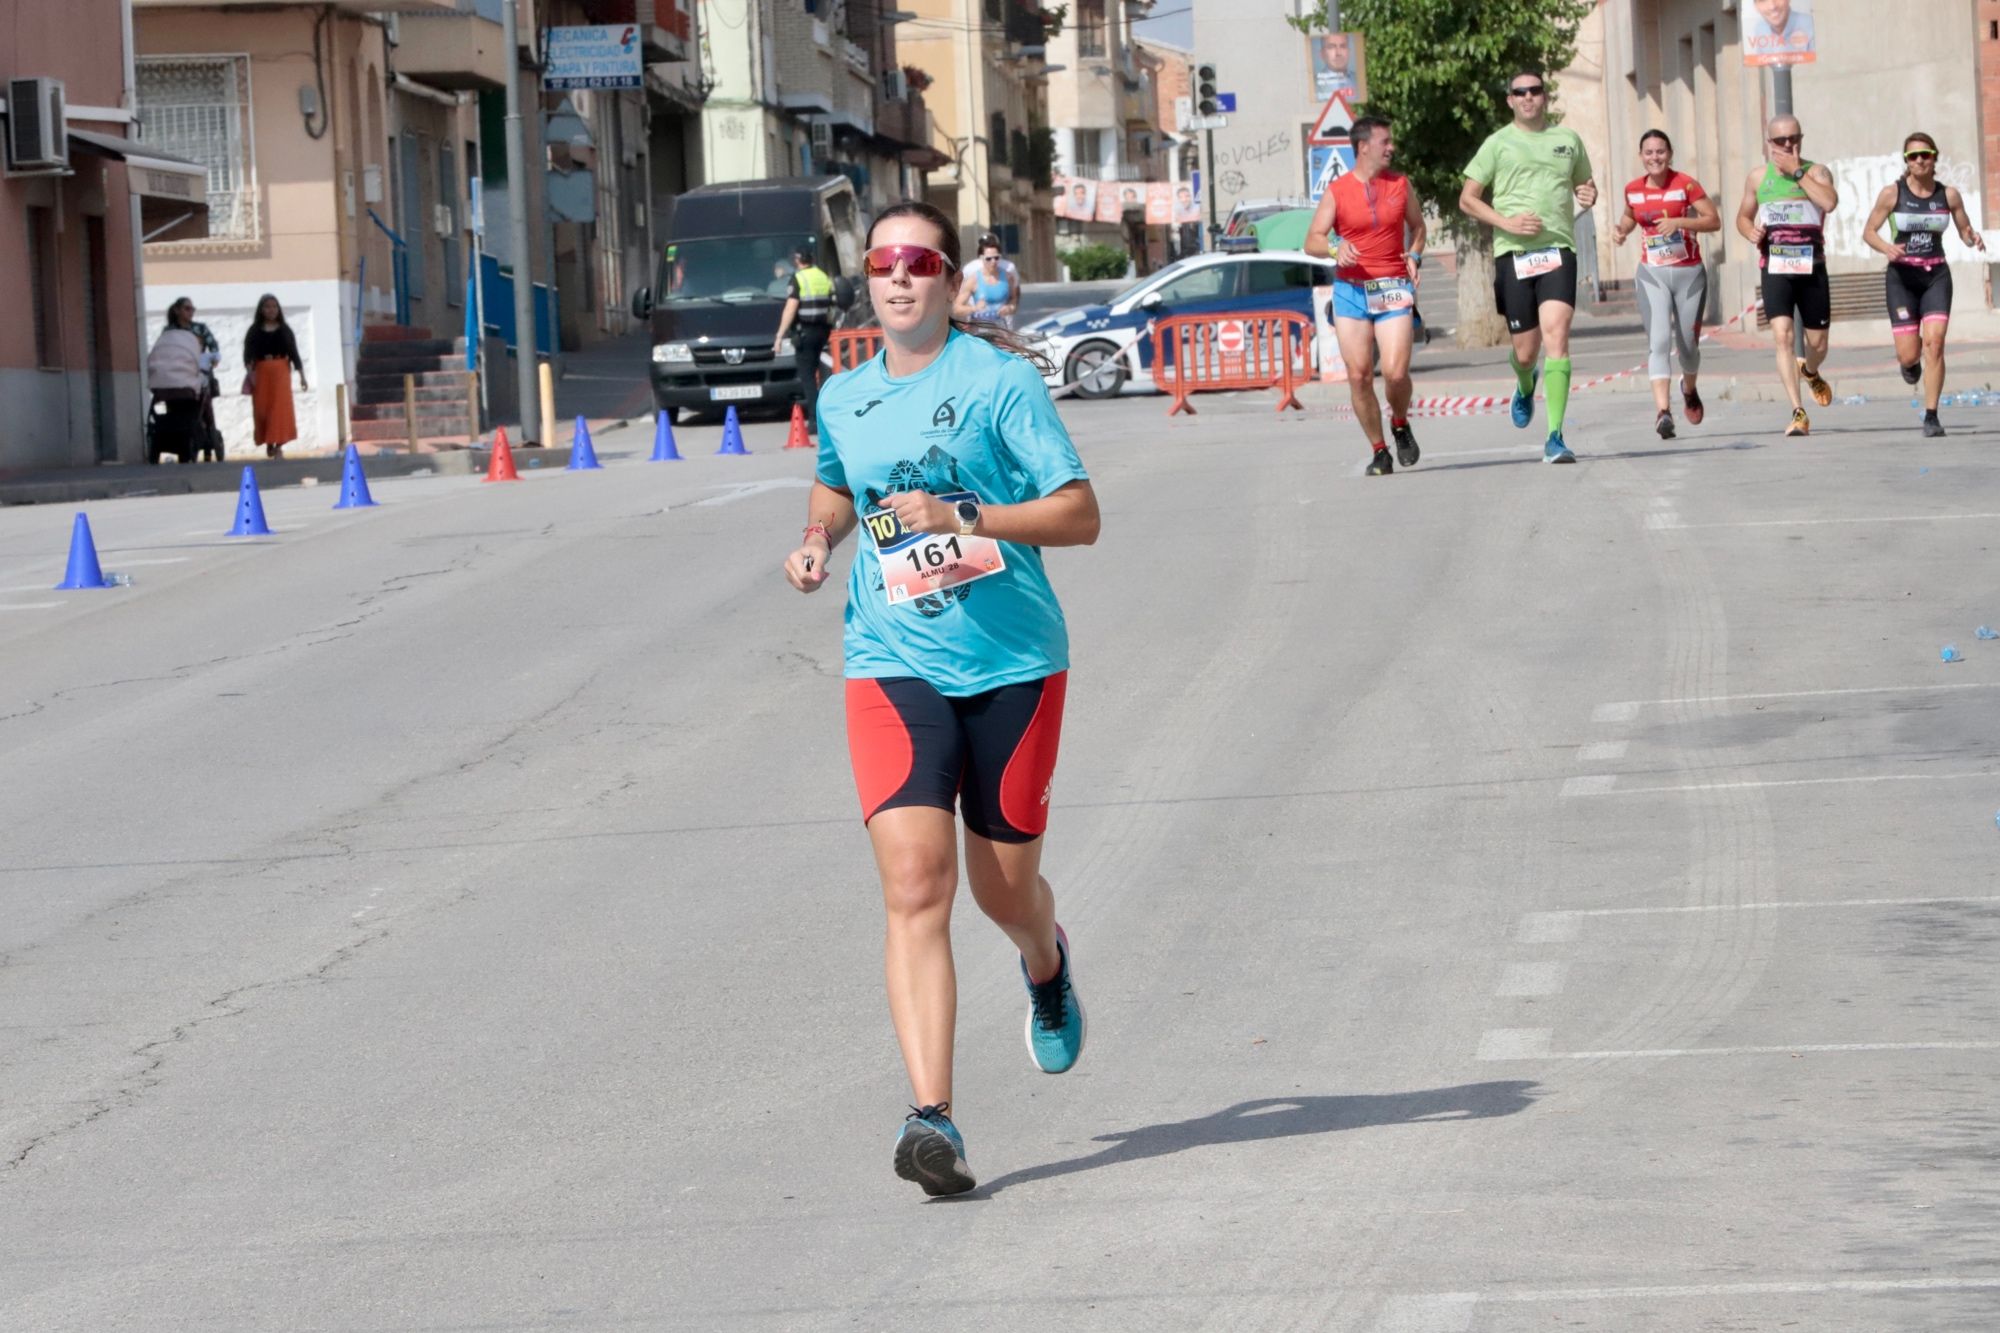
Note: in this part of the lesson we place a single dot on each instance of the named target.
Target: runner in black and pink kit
(1379, 225)
(945, 450)
(1667, 208)
(1918, 281)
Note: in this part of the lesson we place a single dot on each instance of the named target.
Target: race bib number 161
(917, 564)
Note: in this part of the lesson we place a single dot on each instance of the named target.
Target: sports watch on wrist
(968, 516)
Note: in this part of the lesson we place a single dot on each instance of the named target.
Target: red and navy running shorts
(992, 755)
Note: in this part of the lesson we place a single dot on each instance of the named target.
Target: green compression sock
(1523, 375)
(1555, 384)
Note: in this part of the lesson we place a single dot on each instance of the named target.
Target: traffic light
(1204, 89)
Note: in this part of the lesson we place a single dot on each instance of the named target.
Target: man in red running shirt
(1379, 226)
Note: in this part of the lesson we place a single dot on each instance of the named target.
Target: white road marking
(1599, 751)
(123, 563)
(1516, 1044)
(748, 489)
(30, 606)
(1450, 1304)
(1821, 522)
(1626, 712)
(1794, 905)
(1522, 979)
(1607, 790)
(1532, 1044)
(1594, 784)
(1664, 520)
(1446, 1312)
(1548, 928)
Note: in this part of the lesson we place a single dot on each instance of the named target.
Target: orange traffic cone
(797, 439)
(502, 466)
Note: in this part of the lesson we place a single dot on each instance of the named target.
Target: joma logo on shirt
(871, 405)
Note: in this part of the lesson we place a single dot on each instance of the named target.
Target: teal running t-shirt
(976, 422)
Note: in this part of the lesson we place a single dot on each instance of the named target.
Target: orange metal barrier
(1258, 350)
(850, 347)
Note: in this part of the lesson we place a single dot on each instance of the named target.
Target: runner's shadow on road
(1535, 457)
(1280, 1118)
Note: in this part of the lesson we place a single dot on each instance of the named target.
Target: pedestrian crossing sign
(1325, 164)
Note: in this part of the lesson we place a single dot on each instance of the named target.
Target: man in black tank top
(1917, 285)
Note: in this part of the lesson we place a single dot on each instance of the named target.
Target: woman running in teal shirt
(946, 452)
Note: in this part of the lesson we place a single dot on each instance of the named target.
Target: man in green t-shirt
(1533, 170)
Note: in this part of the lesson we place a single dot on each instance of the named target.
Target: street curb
(117, 481)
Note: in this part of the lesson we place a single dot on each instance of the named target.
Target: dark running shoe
(1663, 425)
(1379, 465)
(1691, 406)
(1407, 452)
(931, 1152)
(1911, 373)
(1933, 428)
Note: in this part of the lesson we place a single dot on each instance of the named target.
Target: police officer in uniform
(809, 307)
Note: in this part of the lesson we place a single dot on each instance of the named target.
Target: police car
(1103, 348)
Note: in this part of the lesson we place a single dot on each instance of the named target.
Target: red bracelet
(820, 528)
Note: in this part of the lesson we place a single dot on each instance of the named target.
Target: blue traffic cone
(250, 508)
(582, 453)
(664, 450)
(732, 434)
(84, 571)
(354, 483)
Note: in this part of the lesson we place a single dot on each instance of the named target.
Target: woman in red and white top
(1667, 207)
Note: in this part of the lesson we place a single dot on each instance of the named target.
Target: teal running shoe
(1055, 1016)
(1555, 451)
(1524, 403)
(930, 1151)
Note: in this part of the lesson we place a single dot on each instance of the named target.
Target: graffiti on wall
(1860, 179)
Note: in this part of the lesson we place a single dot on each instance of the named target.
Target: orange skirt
(271, 402)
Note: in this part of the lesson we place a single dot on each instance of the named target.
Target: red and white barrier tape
(1479, 404)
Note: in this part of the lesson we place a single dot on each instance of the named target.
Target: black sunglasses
(1916, 153)
(1788, 140)
(1528, 90)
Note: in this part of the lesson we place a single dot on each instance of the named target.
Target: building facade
(1104, 109)
(987, 63)
(1677, 65)
(71, 223)
(806, 90)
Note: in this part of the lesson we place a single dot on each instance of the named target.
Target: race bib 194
(1533, 263)
(1791, 260)
(917, 564)
(1388, 295)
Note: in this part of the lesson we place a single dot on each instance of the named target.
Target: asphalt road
(1506, 898)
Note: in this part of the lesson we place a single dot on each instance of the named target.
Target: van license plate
(734, 392)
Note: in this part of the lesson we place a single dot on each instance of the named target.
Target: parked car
(721, 288)
(1084, 344)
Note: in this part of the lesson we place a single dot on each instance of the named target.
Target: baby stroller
(181, 422)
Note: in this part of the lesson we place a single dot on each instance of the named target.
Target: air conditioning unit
(895, 85)
(37, 134)
(822, 138)
(441, 220)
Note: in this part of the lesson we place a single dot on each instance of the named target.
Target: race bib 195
(917, 564)
(1533, 263)
(1791, 260)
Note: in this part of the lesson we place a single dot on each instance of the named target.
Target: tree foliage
(1437, 70)
(1096, 262)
